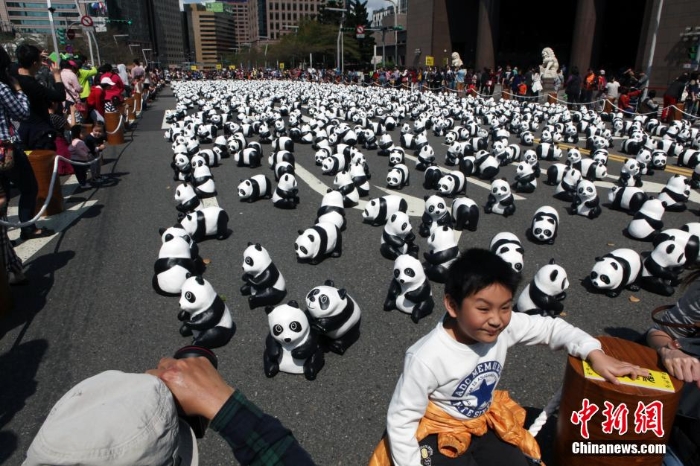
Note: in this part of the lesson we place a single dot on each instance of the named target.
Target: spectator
(138, 74)
(536, 84)
(612, 90)
(627, 102)
(459, 79)
(484, 81)
(60, 124)
(79, 152)
(673, 94)
(589, 86)
(114, 93)
(84, 76)
(95, 141)
(691, 100)
(601, 84)
(558, 81)
(650, 105)
(573, 88)
(96, 99)
(69, 77)
(124, 78)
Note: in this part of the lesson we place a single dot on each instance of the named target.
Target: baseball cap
(115, 418)
(602, 72)
(106, 80)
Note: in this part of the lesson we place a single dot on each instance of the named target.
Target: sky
(376, 5)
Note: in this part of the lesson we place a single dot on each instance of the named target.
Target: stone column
(488, 16)
(584, 32)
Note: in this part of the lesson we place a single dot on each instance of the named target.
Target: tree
(358, 15)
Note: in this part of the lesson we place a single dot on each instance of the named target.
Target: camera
(198, 424)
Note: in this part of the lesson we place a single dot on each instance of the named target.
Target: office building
(33, 17)
(284, 15)
(212, 32)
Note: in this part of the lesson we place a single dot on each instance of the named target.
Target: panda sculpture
(279, 157)
(695, 180)
(435, 214)
(208, 222)
(431, 178)
(332, 209)
(379, 210)
(545, 293)
(426, 158)
(452, 184)
(525, 179)
(248, 157)
(586, 201)
(548, 151)
(360, 178)
(689, 241)
(630, 174)
(263, 283)
(465, 214)
(202, 178)
(442, 252)
(315, 244)
(344, 184)
(175, 262)
(211, 158)
(333, 164)
(204, 315)
(661, 268)
(182, 167)
(530, 156)
(675, 194)
(566, 189)
(186, 198)
(292, 345)
(647, 223)
(616, 271)
(178, 230)
(398, 177)
(334, 315)
(555, 173)
(545, 224)
(409, 291)
(286, 195)
(644, 160)
(659, 159)
(500, 200)
(486, 166)
(626, 199)
(398, 237)
(509, 248)
(255, 188)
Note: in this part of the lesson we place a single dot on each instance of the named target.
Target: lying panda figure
(209, 222)
(334, 315)
(509, 248)
(315, 244)
(175, 263)
(545, 293)
(254, 188)
(204, 314)
(187, 198)
(616, 271)
(292, 345)
(465, 214)
(379, 210)
(264, 284)
(647, 223)
(661, 268)
(409, 291)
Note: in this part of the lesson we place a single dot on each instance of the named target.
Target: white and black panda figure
(398, 237)
(335, 316)
(555, 173)
(333, 164)
(186, 198)
(177, 230)
(398, 177)
(586, 201)
(332, 209)
(202, 178)
(182, 168)
(292, 345)
(344, 184)
(570, 134)
(616, 271)
(500, 200)
(566, 189)
(689, 158)
(465, 214)
(530, 157)
(283, 143)
(204, 315)
(426, 158)
(486, 165)
(409, 291)
(263, 283)
(315, 244)
(643, 158)
(689, 241)
(525, 179)
(282, 168)
(452, 184)
(545, 294)
(600, 156)
(630, 174)
(662, 268)
(442, 252)
(396, 156)
(174, 264)
(659, 160)
(647, 223)
(593, 170)
(379, 210)
(279, 157)
(431, 177)
(211, 158)
(286, 195)
(676, 193)
(255, 188)
(385, 144)
(435, 214)
(509, 248)
(695, 179)
(626, 199)
(207, 222)
(527, 138)
(548, 151)
(545, 225)
(248, 157)
(467, 165)
(360, 178)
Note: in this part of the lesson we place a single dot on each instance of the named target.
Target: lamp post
(396, 33)
(340, 46)
(145, 59)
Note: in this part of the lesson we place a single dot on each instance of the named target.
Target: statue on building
(456, 60)
(550, 64)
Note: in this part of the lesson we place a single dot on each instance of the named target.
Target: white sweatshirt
(461, 378)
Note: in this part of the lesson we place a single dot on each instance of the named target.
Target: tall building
(283, 15)
(33, 16)
(166, 32)
(212, 32)
(245, 19)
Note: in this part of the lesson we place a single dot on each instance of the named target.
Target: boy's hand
(610, 368)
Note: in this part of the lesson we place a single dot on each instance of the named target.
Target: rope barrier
(541, 420)
(121, 121)
(54, 175)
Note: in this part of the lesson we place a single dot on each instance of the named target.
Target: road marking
(648, 187)
(164, 125)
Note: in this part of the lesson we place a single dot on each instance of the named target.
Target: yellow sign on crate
(231, 67)
(193, 67)
(218, 66)
(429, 61)
(281, 66)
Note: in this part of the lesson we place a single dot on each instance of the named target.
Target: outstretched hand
(610, 368)
(681, 365)
(195, 384)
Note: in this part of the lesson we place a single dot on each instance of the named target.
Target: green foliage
(359, 15)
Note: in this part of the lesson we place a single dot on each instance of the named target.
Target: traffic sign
(86, 21)
(429, 61)
(360, 32)
(70, 34)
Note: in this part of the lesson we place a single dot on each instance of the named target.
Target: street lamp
(145, 59)
(118, 35)
(396, 32)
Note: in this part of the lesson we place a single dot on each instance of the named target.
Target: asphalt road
(90, 306)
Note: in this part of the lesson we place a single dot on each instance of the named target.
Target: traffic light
(693, 52)
(61, 35)
(397, 28)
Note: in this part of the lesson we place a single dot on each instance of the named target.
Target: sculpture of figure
(456, 60)
(550, 64)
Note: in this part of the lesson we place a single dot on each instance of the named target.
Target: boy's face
(97, 131)
(481, 317)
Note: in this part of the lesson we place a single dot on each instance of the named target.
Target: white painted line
(164, 125)
(210, 202)
(649, 187)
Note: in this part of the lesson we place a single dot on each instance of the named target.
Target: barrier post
(505, 95)
(138, 102)
(677, 111)
(608, 107)
(42, 165)
(551, 98)
(114, 127)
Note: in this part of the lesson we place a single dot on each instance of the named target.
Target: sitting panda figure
(263, 283)
(187, 198)
(202, 178)
(630, 174)
(570, 134)
(344, 184)
(332, 209)
(333, 164)
(509, 248)
(676, 193)
(548, 151)
(661, 268)
(627, 199)
(573, 158)
(545, 293)
(452, 184)
(431, 178)
(486, 165)
(442, 252)
(555, 173)
(398, 237)
(396, 156)
(545, 224)
(525, 179)
(370, 142)
(360, 178)
(385, 144)
(566, 189)
(530, 157)
(500, 200)
(398, 177)
(254, 188)
(208, 222)
(454, 153)
(659, 160)
(593, 170)
(643, 158)
(379, 210)
(175, 262)
(204, 314)
(527, 138)
(314, 244)
(586, 201)
(467, 165)
(177, 230)
(334, 315)
(409, 291)
(616, 271)
(426, 158)
(286, 195)
(182, 167)
(647, 223)
(292, 345)
(600, 156)
(465, 214)
(434, 214)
